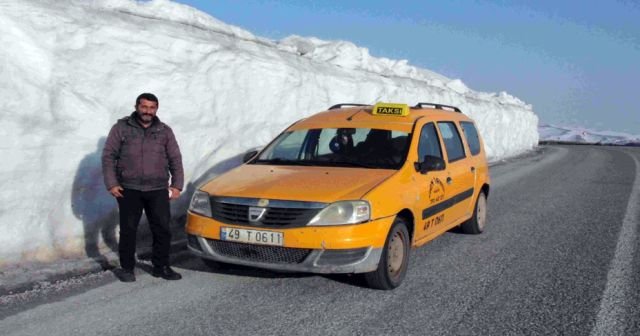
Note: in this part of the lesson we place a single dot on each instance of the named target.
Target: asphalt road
(560, 256)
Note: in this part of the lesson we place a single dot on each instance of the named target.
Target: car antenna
(351, 116)
(337, 106)
(348, 104)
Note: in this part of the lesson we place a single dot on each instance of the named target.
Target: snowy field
(70, 69)
(586, 136)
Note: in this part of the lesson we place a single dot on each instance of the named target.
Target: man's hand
(116, 191)
(173, 193)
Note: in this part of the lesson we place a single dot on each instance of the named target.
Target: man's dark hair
(147, 96)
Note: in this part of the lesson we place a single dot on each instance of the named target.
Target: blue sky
(576, 62)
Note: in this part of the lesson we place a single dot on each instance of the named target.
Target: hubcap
(395, 253)
(481, 211)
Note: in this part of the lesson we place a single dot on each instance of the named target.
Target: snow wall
(70, 69)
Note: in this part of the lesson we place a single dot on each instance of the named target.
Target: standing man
(140, 157)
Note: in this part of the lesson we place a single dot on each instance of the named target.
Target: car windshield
(338, 147)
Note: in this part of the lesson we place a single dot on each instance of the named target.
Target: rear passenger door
(460, 174)
(477, 158)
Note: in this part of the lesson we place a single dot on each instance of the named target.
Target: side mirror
(249, 155)
(430, 163)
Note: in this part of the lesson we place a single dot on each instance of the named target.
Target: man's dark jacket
(141, 159)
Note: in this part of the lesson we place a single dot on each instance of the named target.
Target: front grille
(259, 253)
(226, 211)
(230, 213)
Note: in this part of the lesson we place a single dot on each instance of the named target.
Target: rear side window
(471, 134)
(429, 143)
(452, 141)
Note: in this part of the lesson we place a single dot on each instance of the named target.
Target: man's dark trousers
(156, 206)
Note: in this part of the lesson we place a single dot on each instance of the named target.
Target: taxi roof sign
(391, 109)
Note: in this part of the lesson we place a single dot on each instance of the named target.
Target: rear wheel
(478, 220)
(394, 260)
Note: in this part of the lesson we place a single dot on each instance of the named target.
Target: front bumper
(331, 249)
(278, 258)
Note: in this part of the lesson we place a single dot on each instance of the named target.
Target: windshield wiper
(279, 161)
(351, 164)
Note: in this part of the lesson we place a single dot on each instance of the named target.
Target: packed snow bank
(70, 69)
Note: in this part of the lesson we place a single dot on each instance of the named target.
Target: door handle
(473, 169)
(449, 180)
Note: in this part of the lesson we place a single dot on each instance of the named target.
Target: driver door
(432, 187)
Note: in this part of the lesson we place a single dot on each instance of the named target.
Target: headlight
(341, 213)
(200, 203)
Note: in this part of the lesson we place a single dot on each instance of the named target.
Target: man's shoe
(166, 273)
(126, 275)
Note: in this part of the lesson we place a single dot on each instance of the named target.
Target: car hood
(299, 183)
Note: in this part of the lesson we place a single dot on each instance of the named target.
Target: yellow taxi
(348, 190)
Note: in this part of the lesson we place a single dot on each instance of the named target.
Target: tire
(477, 222)
(394, 260)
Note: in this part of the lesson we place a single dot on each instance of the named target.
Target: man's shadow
(219, 168)
(95, 207)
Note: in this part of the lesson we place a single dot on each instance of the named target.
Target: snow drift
(70, 69)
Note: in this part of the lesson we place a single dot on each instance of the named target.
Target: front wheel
(478, 220)
(394, 260)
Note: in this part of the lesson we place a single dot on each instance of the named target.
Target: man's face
(146, 110)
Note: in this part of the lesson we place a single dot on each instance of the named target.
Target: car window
(288, 146)
(471, 134)
(340, 147)
(356, 136)
(429, 143)
(452, 142)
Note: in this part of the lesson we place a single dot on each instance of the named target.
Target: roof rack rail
(337, 106)
(438, 106)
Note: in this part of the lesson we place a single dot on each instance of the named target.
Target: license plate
(252, 236)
